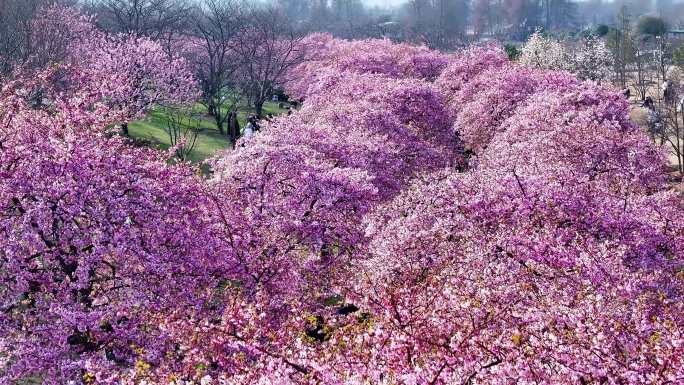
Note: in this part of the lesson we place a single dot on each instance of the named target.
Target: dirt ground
(639, 115)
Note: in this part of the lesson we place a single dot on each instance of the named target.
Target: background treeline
(444, 24)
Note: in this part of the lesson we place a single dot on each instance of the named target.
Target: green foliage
(512, 51)
(652, 25)
(334, 300)
(601, 30)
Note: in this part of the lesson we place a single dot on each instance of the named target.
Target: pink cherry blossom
(372, 56)
(98, 239)
(423, 218)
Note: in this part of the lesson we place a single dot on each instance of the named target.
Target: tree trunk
(680, 151)
(258, 108)
(219, 123)
(124, 129)
(233, 127)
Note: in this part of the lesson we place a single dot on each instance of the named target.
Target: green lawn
(209, 141)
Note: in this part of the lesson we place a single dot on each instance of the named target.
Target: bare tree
(183, 129)
(558, 13)
(643, 80)
(349, 18)
(156, 19)
(16, 31)
(319, 15)
(217, 23)
(298, 11)
(439, 24)
(621, 44)
(482, 17)
(267, 45)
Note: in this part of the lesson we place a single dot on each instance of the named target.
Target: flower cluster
(113, 78)
(97, 240)
(372, 56)
(556, 258)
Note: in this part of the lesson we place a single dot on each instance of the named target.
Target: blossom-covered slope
(424, 218)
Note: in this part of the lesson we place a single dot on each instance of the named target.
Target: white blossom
(589, 58)
(542, 52)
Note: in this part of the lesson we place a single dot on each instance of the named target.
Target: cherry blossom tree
(315, 207)
(466, 65)
(347, 242)
(300, 189)
(589, 58)
(98, 240)
(123, 76)
(483, 104)
(130, 75)
(543, 52)
(54, 29)
(494, 277)
(376, 56)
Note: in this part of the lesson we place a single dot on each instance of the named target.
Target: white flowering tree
(589, 59)
(543, 52)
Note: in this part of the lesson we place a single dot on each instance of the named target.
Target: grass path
(209, 140)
